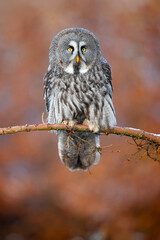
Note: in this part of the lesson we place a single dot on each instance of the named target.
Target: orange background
(39, 197)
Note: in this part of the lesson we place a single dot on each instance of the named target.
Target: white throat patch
(69, 68)
(83, 68)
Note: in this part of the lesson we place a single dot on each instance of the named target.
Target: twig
(150, 149)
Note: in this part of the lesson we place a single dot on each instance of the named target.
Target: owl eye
(83, 49)
(70, 49)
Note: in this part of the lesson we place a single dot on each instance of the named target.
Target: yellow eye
(83, 49)
(70, 49)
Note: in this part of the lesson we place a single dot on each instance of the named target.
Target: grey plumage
(78, 90)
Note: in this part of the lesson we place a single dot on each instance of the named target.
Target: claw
(93, 126)
(69, 123)
(65, 122)
(72, 123)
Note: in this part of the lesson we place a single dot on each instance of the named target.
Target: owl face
(76, 51)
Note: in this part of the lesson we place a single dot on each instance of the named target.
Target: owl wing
(107, 72)
(48, 86)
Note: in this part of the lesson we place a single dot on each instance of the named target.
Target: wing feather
(107, 72)
(48, 87)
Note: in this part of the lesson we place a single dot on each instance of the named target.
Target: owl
(78, 90)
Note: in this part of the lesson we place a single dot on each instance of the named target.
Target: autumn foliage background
(39, 198)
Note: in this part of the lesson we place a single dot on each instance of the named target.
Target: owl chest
(74, 97)
(75, 88)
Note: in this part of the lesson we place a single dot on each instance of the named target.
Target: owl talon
(93, 126)
(72, 123)
(65, 122)
(69, 123)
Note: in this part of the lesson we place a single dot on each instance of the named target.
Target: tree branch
(123, 131)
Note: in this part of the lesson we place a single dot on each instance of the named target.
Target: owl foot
(93, 126)
(68, 123)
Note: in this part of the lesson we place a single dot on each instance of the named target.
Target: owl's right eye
(70, 49)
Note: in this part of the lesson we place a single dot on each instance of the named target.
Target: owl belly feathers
(78, 89)
(82, 98)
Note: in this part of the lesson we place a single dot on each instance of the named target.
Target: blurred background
(39, 198)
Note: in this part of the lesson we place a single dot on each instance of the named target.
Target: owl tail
(79, 150)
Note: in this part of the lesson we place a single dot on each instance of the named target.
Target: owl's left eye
(70, 49)
(83, 49)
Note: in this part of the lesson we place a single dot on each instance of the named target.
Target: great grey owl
(78, 89)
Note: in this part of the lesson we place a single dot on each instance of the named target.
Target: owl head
(76, 50)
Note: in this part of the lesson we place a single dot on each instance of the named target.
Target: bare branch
(123, 131)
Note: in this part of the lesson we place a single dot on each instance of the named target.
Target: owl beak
(77, 59)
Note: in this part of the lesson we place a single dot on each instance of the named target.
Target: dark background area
(39, 198)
